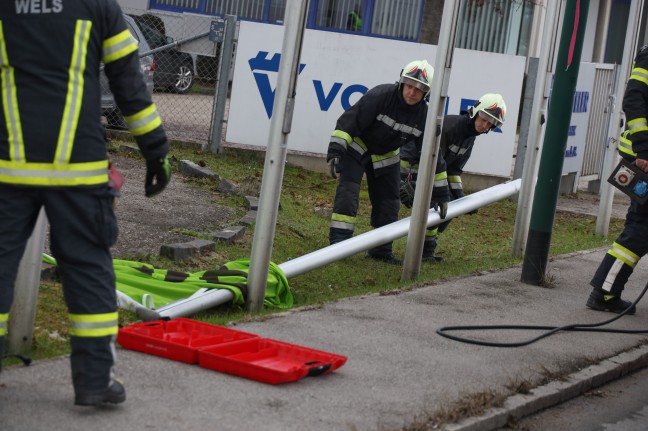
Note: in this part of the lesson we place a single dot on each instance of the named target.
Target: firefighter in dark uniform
(53, 155)
(366, 141)
(632, 244)
(457, 140)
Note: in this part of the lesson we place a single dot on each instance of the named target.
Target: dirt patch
(145, 224)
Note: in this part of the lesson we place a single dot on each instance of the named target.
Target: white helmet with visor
(418, 74)
(491, 107)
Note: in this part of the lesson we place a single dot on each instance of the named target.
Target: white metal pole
(211, 298)
(534, 139)
(430, 151)
(395, 230)
(23, 310)
(282, 113)
(614, 130)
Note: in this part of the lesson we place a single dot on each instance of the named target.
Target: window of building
(502, 26)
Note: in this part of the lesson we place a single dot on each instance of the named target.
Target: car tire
(184, 79)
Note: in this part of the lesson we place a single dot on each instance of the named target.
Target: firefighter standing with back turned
(53, 155)
(457, 141)
(366, 141)
(632, 244)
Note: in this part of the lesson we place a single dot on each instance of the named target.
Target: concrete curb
(556, 392)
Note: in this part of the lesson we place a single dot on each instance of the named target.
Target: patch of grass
(472, 244)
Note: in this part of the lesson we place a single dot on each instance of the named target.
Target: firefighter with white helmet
(457, 140)
(367, 141)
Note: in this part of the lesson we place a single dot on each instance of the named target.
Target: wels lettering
(38, 6)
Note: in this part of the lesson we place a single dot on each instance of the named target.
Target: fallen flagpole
(204, 300)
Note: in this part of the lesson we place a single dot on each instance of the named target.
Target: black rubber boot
(113, 394)
(387, 258)
(429, 246)
(600, 301)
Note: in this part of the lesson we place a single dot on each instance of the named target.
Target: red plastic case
(268, 361)
(178, 339)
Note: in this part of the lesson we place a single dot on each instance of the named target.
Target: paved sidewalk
(399, 370)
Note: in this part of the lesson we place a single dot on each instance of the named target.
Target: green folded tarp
(136, 279)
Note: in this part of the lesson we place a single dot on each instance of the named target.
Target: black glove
(158, 169)
(441, 207)
(407, 189)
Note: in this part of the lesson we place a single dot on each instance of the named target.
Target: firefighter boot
(601, 300)
(92, 359)
(429, 246)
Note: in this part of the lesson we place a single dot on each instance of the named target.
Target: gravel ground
(145, 224)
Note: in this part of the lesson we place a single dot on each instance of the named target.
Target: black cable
(550, 330)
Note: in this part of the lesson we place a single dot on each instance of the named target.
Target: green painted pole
(555, 142)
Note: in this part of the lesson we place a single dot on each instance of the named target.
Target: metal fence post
(222, 82)
(23, 310)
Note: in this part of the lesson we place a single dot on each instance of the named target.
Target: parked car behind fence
(109, 108)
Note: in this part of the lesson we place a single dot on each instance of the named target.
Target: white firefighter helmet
(419, 74)
(491, 107)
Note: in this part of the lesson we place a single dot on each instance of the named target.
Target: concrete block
(189, 168)
(228, 187)
(248, 219)
(229, 235)
(253, 203)
(187, 250)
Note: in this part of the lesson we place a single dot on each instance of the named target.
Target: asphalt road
(619, 406)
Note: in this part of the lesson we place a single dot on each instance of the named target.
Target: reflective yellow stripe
(54, 174)
(432, 232)
(640, 75)
(74, 92)
(625, 145)
(10, 103)
(623, 254)
(454, 179)
(93, 325)
(637, 125)
(341, 135)
(118, 46)
(343, 218)
(144, 121)
(441, 176)
(4, 318)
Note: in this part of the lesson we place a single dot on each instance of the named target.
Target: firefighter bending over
(457, 140)
(367, 141)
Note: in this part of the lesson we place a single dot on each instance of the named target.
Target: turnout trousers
(383, 187)
(630, 246)
(83, 227)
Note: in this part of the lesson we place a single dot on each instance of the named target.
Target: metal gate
(599, 121)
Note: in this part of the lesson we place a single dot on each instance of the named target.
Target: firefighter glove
(335, 166)
(441, 207)
(158, 174)
(407, 189)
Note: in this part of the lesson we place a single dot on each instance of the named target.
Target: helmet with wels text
(490, 107)
(419, 74)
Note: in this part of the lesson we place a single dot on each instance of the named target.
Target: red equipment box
(178, 339)
(268, 361)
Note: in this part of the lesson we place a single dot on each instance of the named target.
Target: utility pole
(555, 142)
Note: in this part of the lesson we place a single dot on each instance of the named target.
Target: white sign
(337, 69)
(576, 137)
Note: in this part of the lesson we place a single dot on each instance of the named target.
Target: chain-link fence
(180, 65)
